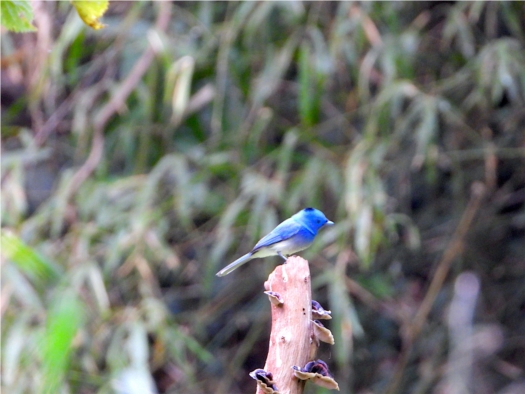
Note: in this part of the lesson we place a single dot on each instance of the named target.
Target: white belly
(286, 247)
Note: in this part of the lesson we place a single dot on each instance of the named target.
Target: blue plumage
(292, 235)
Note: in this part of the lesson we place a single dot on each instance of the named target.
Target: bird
(292, 235)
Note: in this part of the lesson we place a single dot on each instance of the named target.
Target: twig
(454, 248)
(116, 102)
(369, 27)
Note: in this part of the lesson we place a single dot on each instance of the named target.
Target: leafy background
(139, 159)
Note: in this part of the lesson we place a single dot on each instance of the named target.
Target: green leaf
(91, 11)
(306, 95)
(26, 258)
(64, 319)
(17, 15)
(346, 324)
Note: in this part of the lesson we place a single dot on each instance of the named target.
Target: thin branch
(454, 248)
(117, 102)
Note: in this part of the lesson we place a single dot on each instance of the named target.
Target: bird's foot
(284, 258)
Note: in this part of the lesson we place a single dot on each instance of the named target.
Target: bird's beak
(329, 223)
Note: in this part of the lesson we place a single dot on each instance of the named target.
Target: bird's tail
(236, 264)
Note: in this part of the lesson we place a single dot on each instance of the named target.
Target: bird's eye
(318, 221)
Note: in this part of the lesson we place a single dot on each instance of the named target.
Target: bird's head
(312, 218)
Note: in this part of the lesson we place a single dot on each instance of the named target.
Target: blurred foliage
(91, 11)
(381, 114)
(17, 15)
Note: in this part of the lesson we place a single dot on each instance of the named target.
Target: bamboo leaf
(26, 258)
(65, 318)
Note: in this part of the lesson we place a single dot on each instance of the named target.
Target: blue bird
(292, 235)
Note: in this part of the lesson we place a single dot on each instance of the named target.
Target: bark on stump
(292, 340)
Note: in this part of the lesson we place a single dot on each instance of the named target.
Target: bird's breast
(291, 245)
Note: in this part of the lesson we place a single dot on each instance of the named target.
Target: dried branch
(454, 248)
(117, 102)
(293, 342)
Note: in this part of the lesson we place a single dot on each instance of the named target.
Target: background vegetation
(139, 159)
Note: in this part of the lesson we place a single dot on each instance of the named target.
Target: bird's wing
(283, 231)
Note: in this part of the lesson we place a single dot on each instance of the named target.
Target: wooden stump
(292, 340)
